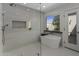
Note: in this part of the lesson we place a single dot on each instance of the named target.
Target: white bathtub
(52, 41)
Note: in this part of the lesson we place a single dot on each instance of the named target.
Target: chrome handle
(3, 27)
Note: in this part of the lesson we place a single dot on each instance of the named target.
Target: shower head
(12, 4)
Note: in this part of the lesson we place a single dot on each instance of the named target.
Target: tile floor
(33, 50)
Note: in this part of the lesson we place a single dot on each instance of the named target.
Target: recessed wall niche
(18, 24)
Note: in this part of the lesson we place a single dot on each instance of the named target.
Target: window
(53, 23)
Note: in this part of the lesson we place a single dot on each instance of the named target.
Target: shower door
(71, 33)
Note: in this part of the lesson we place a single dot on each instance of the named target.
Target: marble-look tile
(34, 49)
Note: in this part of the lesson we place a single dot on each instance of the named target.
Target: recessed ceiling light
(25, 3)
(43, 6)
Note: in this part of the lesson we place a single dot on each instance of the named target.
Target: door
(71, 33)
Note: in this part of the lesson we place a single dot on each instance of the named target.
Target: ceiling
(45, 7)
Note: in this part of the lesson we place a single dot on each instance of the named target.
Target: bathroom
(39, 29)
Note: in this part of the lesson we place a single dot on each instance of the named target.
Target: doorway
(72, 36)
(70, 32)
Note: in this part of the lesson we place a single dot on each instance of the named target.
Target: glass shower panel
(22, 26)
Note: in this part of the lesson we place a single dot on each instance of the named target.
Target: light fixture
(44, 6)
(25, 3)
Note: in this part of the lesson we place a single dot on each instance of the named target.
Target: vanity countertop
(52, 33)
